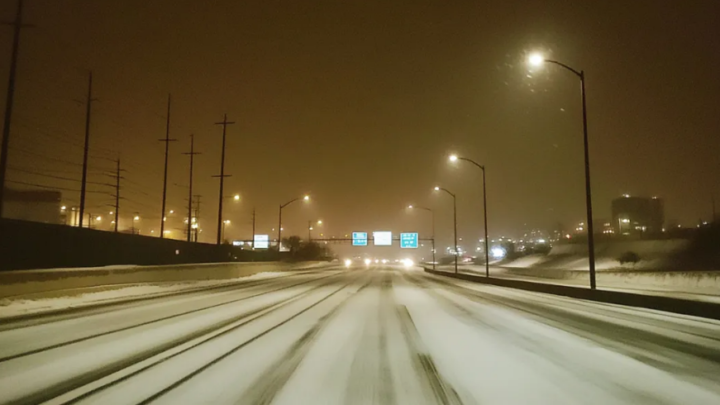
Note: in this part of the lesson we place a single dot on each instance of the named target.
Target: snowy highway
(378, 335)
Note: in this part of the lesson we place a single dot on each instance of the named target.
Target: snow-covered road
(383, 335)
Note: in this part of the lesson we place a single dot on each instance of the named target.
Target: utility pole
(197, 215)
(714, 216)
(222, 176)
(167, 141)
(252, 237)
(117, 195)
(85, 152)
(17, 24)
(192, 154)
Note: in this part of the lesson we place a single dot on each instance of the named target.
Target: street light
(305, 198)
(455, 158)
(454, 222)
(236, 197)
(432, 217)
(225, 222)
(537, 59)
(310, 228)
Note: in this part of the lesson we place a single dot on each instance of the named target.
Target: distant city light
(306, 198)
(172, 211)
(63, 208)
(453, 158)
(98, 218)
(498, 252)
(367, 262)
(409, 206)
(437, 188)
(348, 262)
(541, 241)
(236, 197)
(137, 218)
(626, 195)
(408, 263)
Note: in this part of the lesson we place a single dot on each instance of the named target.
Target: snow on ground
(15, 307)
(386, 336)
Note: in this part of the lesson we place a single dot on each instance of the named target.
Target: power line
(16, 169)
(52, 187)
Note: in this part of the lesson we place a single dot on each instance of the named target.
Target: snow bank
(23, 306)
(63, 282)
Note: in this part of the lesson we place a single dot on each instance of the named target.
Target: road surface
(378, 335)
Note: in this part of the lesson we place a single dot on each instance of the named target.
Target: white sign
(382, 238)
(262, 241)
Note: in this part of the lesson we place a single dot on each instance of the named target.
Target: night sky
(359, 103)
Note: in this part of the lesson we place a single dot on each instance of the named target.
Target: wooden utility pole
(17, 24)
(222, 176)
(167, 141)
(117, 195)
(83, 186)
(192, 154)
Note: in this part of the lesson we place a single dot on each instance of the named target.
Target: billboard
(382, 238)
(261, 241)
(359, 239)
(409, 240)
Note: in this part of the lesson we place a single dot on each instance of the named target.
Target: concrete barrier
(34, 282)
(674, 305)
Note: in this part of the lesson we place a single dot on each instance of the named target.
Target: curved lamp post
(432, 217)
(454, 222)
(538, 60)
(455, 158)
(304, 198)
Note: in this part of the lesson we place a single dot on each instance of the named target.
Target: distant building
(33, 205)
(633, 215)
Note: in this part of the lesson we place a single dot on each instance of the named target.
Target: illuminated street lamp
(537, 60)
(455, 158)
(454, 222)
(225, 222)
(310, 228)
(236, 197)
(432, 218)
(304, 198)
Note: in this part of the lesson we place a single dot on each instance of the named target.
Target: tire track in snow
(276, 376)
(371, 355)
(440, 389)
(240, 346)
(251, 317)
(165, 318)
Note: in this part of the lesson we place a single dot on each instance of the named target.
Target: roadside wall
(33, 245)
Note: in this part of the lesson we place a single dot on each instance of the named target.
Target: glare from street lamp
(63, 208)
(227, 222)
(172, 212)
(306, 198)
(320, 222)
(236, 197)
(137, 218)
(98, 218)
(410, 206)
(437, 188)
(536, 59)
(453, 158)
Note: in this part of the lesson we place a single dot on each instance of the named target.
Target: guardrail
(667, 304)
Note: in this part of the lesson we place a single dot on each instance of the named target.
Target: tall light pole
(310, 228)
(454, 222)
(455, 158)
(537, 60)
(304, 198)
(432, 217)
(225, 222)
